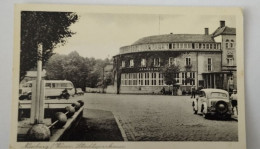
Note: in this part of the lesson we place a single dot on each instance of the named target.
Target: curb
(121, 129)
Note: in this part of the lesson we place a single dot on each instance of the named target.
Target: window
(146, 75)
(131, 63)
(156, 62)
(209, 64)
(122, 79)
(134, 78)
(123, 64)
(199, 45)
(192, 76)
(140, 78)
(188, 61)
(170, 46)
(230, 61)
(204, 46)
(207, 46)
(161, 79)
(181, 45)
(227, 43)
(184, 77)
(232, 44)
(210, 46)
(143, 62)
(173, 45)
(193, 46)
(177, 45)
(172, 61)
(177, 77)
(153, 78)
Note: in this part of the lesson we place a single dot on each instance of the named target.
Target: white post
(37, 104)
(33, 103)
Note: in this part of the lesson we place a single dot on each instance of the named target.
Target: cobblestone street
(161, 118)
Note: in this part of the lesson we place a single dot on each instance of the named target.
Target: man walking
(193, 91)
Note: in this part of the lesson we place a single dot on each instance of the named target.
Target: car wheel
(205, 115)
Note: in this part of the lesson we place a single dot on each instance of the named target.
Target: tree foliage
(47, 28)
(170, 73)
(83, 72)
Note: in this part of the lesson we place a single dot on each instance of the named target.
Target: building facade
(138, 68)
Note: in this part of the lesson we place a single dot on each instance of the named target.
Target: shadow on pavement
(96, 125)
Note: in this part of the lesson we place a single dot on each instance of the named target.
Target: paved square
(161, 118)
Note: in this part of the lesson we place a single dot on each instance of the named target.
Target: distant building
(32, 75)
(138, 67)
(227, 36)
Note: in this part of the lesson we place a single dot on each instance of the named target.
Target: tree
(71, 67)
(170, 73)
(47, 28)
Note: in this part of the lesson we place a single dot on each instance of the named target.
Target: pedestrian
(163, 91)
(193, 91)
(233, 99)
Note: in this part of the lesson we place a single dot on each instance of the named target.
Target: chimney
(222, 23)
(206, 31)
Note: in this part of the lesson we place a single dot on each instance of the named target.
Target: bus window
(70, 85)
(53, 85)
(63, 85)
(48, 85)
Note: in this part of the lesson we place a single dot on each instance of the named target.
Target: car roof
(210, 90)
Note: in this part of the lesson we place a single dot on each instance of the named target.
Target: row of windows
(169, 46)
(172, 61)
(193, 46)
(155, 79)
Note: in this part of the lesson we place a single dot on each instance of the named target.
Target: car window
(218, 95)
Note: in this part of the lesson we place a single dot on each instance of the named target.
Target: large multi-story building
(138, 67)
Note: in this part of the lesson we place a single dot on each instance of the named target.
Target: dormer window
(143, 62)
(123, 64)
(156, 62)
(172, 61)
(131, 63)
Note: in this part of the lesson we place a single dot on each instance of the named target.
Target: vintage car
(79, 91)
(212, 102)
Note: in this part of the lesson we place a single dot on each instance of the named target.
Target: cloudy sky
(101, 35)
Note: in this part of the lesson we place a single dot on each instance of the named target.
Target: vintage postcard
(124, 77)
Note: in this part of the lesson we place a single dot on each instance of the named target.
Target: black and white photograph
(120, 77)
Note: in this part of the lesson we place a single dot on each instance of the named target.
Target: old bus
(53, 89)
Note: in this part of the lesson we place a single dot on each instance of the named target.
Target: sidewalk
(96, 125)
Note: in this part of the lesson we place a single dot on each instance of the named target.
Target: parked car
(212, 102)
(79, 91)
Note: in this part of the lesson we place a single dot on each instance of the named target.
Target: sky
(101, 35)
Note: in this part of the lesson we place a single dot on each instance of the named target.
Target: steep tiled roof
(175, 38)
(224, 31)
